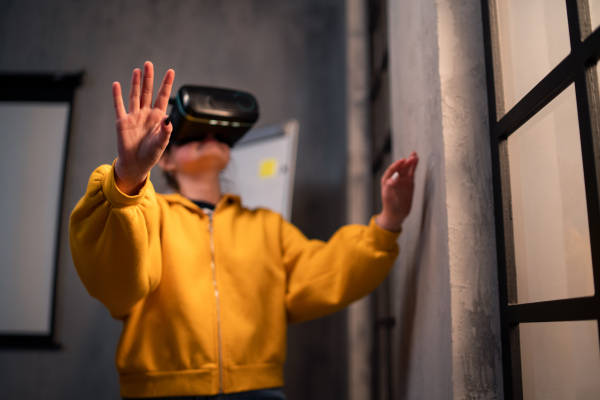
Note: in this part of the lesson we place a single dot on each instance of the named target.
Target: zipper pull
(209, 213)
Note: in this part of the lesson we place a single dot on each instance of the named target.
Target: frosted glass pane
(560, 360)
(595, 13)
(534, 38)
(551, 234)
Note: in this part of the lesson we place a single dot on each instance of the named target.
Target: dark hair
(171, 181)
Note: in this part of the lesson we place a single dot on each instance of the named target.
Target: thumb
(164, 134)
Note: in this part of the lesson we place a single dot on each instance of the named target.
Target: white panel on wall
(31, 159)
(262, 168)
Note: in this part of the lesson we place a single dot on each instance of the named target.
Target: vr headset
(199, 111)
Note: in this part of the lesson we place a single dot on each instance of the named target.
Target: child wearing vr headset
(204, 287)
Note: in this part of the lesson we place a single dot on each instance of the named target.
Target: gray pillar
(358, 187)
(448, 338)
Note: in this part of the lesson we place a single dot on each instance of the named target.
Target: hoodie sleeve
(324, 277)
(115, 242)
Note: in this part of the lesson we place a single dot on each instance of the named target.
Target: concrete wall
(291, 55)
(448, 340)
(359, 208)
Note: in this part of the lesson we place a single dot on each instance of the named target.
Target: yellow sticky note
(267, 168)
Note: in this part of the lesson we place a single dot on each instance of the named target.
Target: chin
(215, 155)
(201, 155)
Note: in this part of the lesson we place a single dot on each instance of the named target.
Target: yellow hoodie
(205, 299)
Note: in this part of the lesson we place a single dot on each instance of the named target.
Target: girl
(205, 287)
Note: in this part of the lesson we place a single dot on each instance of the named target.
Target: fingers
(402, 168)
(165, 131)
(139, 100)
(147, 84)
(396, 166)
(162, 99)
(134, 91)
(118, 101)
(415, 160)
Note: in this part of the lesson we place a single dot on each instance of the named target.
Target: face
(197, 156)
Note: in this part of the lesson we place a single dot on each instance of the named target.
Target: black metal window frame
(578, 68)
(50, 88)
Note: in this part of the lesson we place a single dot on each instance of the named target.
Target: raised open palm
(397, 187)
(142, 132)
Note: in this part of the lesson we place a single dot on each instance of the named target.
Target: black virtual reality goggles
(200, 111)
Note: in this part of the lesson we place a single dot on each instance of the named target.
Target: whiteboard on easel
(262, 168)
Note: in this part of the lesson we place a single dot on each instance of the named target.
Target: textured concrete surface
(360, 335)
(423, 343)
(476, 349)
(448, 341)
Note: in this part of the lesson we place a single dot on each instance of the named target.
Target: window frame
(578, 68)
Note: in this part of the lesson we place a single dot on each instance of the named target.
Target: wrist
(129, 183)
(389, 223)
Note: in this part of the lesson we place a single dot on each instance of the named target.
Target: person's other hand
(397, 186)
(143, 132)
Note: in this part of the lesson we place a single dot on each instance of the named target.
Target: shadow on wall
(408, 303)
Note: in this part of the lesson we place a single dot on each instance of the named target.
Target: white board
(31, 162)
(262, 168)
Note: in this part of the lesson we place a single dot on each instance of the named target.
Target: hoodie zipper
(214, 275)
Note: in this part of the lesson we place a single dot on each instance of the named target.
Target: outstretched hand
(143, 132)
(397, 186)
